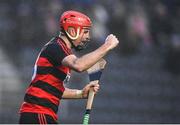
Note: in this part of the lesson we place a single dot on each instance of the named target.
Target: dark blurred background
(141, 83)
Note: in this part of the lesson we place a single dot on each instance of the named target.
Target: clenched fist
(111, 41)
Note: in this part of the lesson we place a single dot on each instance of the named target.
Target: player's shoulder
(52, 45)
(52, 42)
(56, 46)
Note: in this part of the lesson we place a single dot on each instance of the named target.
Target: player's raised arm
(86, 61)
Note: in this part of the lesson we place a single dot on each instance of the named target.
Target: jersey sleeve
(54, 53)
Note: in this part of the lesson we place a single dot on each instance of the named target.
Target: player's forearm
(72, 94)
(90, 59)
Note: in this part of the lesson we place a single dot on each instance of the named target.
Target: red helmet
(76, 20)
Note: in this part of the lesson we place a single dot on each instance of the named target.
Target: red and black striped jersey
(47, 86)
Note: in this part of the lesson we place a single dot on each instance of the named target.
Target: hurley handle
(91, 97)
(89, 105)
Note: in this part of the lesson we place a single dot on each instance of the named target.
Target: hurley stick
(94, 75)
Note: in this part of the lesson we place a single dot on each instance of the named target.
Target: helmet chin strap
(70, 38)
(75, 37)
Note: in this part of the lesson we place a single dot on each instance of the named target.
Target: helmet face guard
(76, 20)
(82, 45)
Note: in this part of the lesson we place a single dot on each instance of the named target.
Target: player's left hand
(94, 86)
